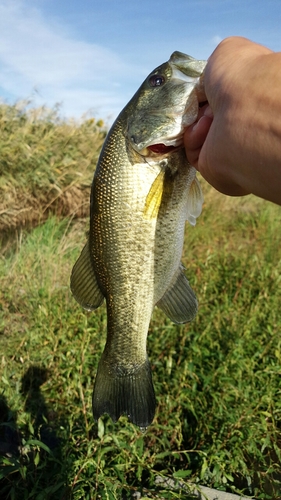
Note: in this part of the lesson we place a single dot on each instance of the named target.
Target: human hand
(230, 143)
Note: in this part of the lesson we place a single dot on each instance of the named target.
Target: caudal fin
(120, 391)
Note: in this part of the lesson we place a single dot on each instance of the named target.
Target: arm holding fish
(235, 142)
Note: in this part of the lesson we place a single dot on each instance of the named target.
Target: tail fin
(124, 391)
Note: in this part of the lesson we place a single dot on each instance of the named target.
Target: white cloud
(40, 54)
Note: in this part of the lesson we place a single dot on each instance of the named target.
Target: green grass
(217, 380)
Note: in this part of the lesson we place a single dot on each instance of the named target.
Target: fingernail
(194, 127)
(208, 112)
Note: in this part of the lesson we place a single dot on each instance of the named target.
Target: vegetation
(46, 165)
(217, 380)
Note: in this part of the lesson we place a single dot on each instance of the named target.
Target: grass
(46, 164)
(217, 380)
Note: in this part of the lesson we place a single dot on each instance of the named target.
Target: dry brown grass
(46, 165)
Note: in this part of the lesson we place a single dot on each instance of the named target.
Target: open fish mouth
(161, 148)
(164, 147)
(170, 145)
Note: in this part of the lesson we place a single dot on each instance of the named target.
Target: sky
(88, 57)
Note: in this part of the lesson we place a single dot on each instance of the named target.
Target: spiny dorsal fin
(83, 282)
(179, 301)
(194, 202)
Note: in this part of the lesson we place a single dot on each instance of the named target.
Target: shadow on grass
(31, 459)
(10, 438)
(44, 420)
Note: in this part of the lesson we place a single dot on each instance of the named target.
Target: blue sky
(90, 56)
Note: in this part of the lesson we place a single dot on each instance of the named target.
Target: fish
(143, 192)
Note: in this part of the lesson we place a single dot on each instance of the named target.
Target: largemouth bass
(143, 192)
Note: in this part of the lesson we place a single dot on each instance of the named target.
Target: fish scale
(140, 201)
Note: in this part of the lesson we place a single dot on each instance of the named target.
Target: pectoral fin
(179, 301)
(154, 197)
(194, 202)
(83, 282)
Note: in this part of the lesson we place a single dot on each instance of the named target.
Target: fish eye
(156, 80)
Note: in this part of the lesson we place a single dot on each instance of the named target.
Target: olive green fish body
(140, 202)
(122, 247)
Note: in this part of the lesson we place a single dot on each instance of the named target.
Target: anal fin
(83, 282)
(179, 302)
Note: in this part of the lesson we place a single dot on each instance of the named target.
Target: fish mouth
(162, 149)
(169, 145)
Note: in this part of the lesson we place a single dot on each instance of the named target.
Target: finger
(194, 138)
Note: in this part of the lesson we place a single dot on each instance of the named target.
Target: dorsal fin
(83, 282)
